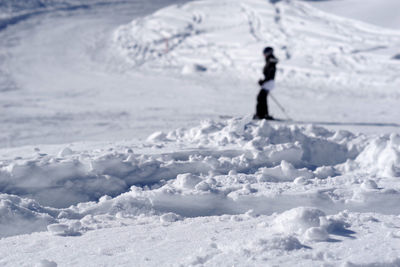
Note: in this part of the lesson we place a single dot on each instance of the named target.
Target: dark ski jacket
(269, 69)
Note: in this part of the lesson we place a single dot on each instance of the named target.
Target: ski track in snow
(108, 87)
(226, 191)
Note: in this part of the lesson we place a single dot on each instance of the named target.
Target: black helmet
(268, 50)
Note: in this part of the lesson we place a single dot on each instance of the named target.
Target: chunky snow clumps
(221, 168)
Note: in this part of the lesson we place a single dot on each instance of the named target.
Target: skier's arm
(273, 60)
(265, 72)
(268, 69)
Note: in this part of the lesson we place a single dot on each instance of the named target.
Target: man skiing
(267, 84)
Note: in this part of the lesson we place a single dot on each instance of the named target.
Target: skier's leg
(266, 104)
(261, 104)
(267, 116)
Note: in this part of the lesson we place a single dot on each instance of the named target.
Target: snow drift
(221, 168)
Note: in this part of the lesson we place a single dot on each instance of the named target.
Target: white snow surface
(298, 193)
(383, 13)
(98, 77)
(116, 148)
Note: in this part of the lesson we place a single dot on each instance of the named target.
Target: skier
(267, 84)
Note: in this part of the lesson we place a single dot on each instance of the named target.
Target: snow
(20, 216)
(193, 28)
(46, 263)
(116, 147)
(267, 171)
(383, 13)
(113, 97)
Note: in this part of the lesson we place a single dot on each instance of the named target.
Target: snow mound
(382, 156)
(187, 180)
(311, 224)
(226, 167)
(308, 146)
(169, 217)
(22, 216)
(298, 220)
(285, 172)
(274, 151)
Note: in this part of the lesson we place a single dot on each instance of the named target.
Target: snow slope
(150, 182)
(88, 74)
(382, 13)
(63, 84)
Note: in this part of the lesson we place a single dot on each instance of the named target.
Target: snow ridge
(222, 168)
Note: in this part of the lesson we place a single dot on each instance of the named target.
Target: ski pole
(280, 106)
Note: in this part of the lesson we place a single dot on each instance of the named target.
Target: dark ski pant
(262, 104)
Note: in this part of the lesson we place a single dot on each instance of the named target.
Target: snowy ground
(131, 141)
(383, 13)
(71, 83)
